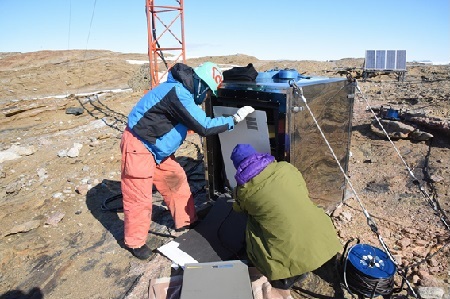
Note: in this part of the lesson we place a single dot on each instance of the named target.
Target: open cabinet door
(331, 103)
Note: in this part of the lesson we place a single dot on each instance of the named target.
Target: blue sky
(295, 29)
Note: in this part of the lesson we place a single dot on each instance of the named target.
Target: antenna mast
(165, 25)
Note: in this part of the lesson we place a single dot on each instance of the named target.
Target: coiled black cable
(105, 204)
(367, 286)
(362, 284)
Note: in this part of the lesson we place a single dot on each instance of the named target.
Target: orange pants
(139, 173)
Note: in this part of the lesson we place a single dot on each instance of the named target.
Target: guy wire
(434, 205)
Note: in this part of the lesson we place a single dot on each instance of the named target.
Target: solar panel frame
(385, 60)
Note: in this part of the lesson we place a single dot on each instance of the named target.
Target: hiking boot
(186, 227)
(142, 253)
(287, 283)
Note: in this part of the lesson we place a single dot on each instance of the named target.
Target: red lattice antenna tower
(165, 25)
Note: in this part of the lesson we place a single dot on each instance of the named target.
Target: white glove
(242, 113)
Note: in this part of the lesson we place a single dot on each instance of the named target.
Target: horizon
(425, 61)
(297, 30)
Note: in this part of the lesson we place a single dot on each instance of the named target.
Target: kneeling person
(287, 235)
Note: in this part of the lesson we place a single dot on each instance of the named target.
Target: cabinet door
(331, 103)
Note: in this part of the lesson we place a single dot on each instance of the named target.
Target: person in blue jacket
(157, 126)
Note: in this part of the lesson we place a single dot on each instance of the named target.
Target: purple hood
(252, 166)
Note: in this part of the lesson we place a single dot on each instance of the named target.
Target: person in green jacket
(287, 235)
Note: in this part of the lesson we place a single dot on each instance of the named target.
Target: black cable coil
(365, 285)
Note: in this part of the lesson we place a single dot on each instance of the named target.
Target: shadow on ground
(34, 293)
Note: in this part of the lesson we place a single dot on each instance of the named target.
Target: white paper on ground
(252, 130)
(176, 255)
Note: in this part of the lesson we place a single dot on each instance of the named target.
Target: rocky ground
(62, 114)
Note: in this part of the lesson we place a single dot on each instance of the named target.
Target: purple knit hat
(240, 152)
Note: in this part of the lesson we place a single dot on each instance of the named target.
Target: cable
(367, 286)
(87, 42)
(373, 261)
(104, 207)
(90, 24)
(70, 23)
(370, 221)
(431, 200)
(236, 254)
(433, 203)
(443, 216)
(160, 53)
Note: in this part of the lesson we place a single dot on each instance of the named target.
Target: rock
(347, 216)
(22, 150)
(404, 243)
(8, 156)
(75, 110)
(395, 129)
(435, 270)
(55, 218)
(75, 150)
(430, 292)
(42, 174)
(428, 280)
(13, 187)
(436, 178)
(62, 153)
(24, 227)
(97, 124)
(419, 135)
(82, 189)
(398, 259)
(57, 195)
(421, 242)
(15, 152)
(433, 262)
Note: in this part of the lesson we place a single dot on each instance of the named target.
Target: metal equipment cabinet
(294, 136)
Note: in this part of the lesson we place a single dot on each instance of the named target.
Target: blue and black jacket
(163, 116)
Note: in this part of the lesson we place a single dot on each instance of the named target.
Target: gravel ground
(60, 242)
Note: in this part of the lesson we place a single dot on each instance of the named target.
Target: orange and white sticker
(217, 75)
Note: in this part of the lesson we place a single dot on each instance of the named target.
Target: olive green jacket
(287, 234)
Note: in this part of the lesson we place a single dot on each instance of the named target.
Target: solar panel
(390, 59)
(380, 59)
(385, 60)
(370, 59)
(401, 60)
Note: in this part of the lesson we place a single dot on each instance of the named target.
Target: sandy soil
(58, 168)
